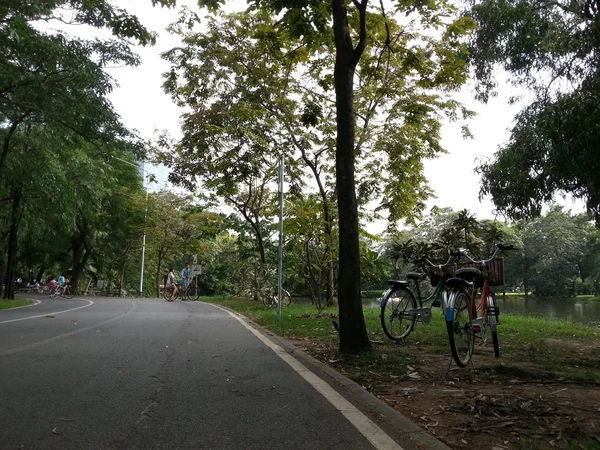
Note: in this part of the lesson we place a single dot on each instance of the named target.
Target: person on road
(186, 275)
(170, 285)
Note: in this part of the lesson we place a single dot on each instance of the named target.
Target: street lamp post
(145, 213)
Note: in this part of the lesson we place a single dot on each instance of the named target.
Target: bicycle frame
(423, 313)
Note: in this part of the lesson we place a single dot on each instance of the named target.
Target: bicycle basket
(493, 270)
(441, 272)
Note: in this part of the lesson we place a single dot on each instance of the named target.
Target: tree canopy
(551, 48)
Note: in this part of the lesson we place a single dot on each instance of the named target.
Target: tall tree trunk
(11, 264)
(81, 250)
(159, 261)
(2, 273)
(40, 274)
(353, 331)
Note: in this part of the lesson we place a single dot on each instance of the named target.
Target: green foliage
(56, 128)
(550, 47)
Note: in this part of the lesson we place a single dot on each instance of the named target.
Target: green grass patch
(568, 349)
(7, 304)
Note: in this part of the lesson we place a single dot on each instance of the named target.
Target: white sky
(142, 105)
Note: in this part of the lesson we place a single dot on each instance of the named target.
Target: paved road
(109, 373)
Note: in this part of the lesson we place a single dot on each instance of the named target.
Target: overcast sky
(142, 105)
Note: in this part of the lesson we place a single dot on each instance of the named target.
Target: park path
(109, 373)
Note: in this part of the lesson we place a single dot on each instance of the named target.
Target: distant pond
(583, 310)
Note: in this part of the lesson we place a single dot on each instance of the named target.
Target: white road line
(362, 423)
(61, 336)
(50, 313)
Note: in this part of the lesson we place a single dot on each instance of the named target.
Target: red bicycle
(485, 274)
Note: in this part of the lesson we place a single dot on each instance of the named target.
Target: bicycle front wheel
(286, 299)
(193, 292)
(396, 321)
(492, 312)
(460, 330)
(68, 292)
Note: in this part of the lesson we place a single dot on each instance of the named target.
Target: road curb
(405, 432)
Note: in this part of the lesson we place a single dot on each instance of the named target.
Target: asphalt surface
(111, 373)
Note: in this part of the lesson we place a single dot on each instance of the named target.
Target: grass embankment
(7, 304)
(530, 347)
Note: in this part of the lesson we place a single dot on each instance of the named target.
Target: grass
(7, 304)
(568, 349)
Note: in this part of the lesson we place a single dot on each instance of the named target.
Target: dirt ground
(485, 406)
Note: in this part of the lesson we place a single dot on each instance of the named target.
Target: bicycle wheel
(492, 312)
(268, 300)
(68, 292)
(53, 294)
(193, 292)
(286, 298)
(460, 331)
(395, 321)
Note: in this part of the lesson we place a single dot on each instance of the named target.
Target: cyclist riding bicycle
(170, 285)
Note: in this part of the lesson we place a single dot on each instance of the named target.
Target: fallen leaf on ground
(50, 317)
(54, 431)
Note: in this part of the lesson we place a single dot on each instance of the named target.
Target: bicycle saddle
(416, 276)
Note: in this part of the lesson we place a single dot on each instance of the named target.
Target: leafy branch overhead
(254, 89)
(550, 47)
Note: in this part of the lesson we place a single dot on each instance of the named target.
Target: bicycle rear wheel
(460, 331)
(492, 312)
(68, 292)
(395, 321)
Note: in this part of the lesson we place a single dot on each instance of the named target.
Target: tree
(309, 25)
(550, 47)
(54, 85)
(553, 247)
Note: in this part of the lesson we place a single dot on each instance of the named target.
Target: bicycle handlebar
(498, 248)
(452, 255)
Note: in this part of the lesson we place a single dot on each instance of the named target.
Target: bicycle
(399, 305)
(191, 292)
(270, 298)
(65, 291)
(485, 274)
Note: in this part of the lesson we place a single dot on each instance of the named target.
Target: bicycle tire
(192, 292)
(286, 298)
(68, 292)
(392, 313)
(492, 320)
(460, 331)
(53, 295)
(268, 300)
